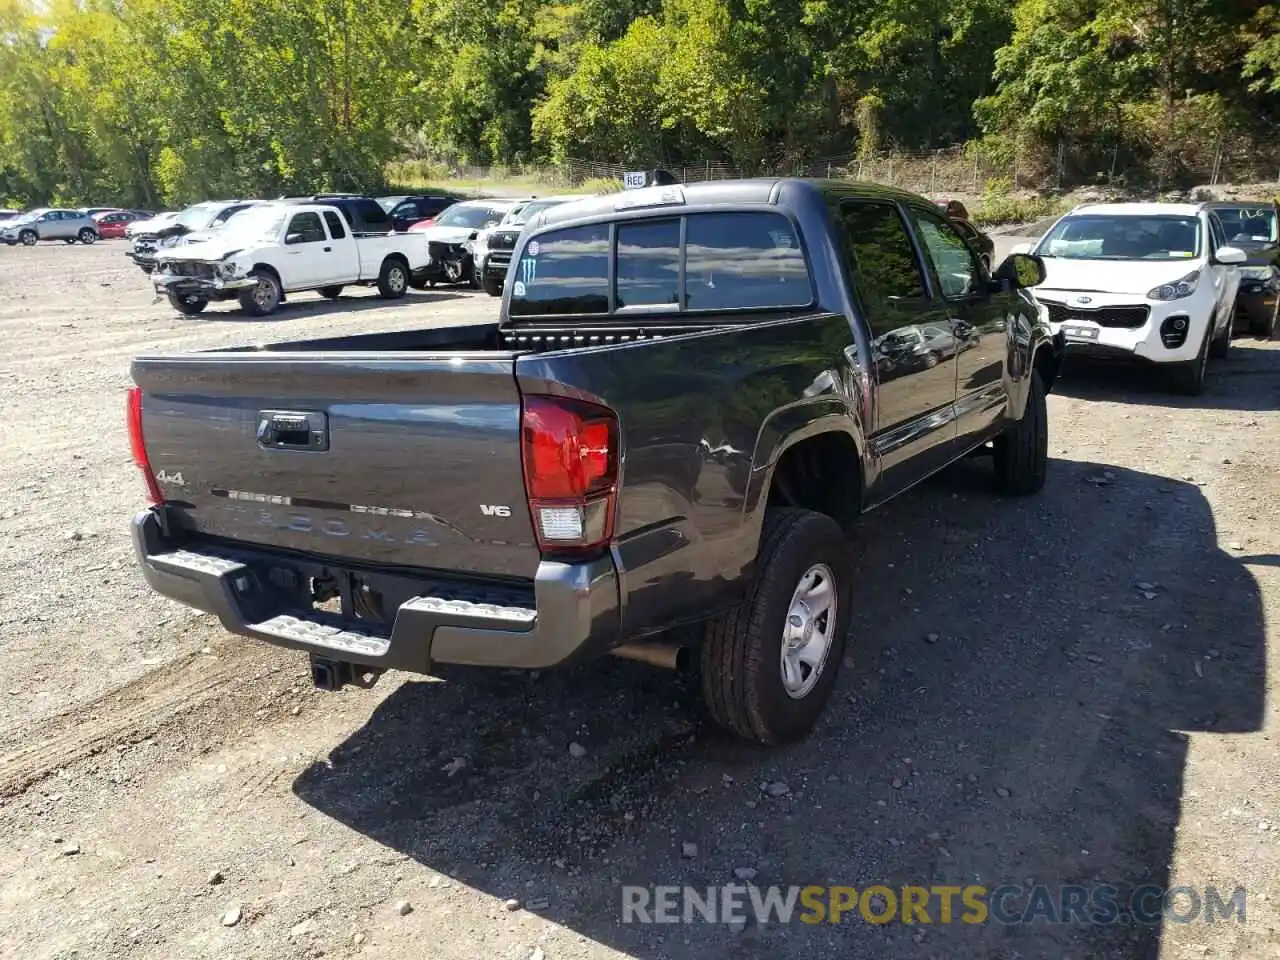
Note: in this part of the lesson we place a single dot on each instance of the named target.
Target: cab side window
(882, 261)
(954, 264)
(335, 225)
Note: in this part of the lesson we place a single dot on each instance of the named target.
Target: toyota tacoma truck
(660, 447)
(278, 248)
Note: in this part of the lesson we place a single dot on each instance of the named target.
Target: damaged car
(278, 248)
(152, 236)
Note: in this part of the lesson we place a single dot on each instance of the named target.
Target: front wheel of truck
(264, 297)
(186, 304)
(768, 665)
(1022, 451)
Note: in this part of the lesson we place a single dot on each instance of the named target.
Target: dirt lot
(1070, 689)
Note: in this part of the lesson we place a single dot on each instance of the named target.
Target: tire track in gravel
(137, 710)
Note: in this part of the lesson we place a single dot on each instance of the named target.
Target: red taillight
(139, 447)
(570, 454)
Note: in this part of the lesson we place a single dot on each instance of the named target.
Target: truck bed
(487, 338)
(401, 449)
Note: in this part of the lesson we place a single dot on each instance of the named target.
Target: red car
(112, 223)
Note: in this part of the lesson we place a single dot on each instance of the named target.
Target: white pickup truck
(273, 249)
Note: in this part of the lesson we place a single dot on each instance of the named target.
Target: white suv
(1147, 281)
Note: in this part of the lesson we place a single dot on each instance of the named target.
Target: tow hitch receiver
(329, 674)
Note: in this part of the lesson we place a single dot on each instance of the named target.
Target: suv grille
(1127, 317)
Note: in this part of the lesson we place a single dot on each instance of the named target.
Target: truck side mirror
(293, 238)
(1021, 270)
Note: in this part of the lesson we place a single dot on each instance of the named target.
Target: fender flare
(782, 430)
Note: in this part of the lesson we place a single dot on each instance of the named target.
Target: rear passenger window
(648, 271)
(335, 225)
(563, 272)
(880, 254)
(739, 261)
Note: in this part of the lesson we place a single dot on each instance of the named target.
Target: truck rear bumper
(571, 613)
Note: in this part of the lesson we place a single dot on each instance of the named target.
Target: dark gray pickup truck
(691, 395)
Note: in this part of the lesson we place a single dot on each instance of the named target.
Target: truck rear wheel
(493, 288)
(393, 280)
(768, 666)
(264, 297)
(1022, 451)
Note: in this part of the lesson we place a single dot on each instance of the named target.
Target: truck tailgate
(395, 459)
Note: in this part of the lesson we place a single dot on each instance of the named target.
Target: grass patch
(421, 176)
(995, 211)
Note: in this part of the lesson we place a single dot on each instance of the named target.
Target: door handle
(293, 430)
(328, 249)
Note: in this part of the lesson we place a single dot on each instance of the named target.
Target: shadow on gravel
(1024, 678)
(311, 305)
(1247, 380)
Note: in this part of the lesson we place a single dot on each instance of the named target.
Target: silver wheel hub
(808, 631)
(264, 294)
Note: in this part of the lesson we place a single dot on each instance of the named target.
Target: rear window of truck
(728, 261)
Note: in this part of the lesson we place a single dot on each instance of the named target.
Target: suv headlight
(1177, 290)
(1255, 273)
(228, 269)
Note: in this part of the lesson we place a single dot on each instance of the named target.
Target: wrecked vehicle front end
(209, 280)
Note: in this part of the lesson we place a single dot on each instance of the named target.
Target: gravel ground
(1067, 689)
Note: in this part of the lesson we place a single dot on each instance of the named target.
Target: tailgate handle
(293, 430)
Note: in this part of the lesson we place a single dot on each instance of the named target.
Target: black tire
(264, 297)
(87, 236)
(1188, 377)
(28, 238)
(1022, 451)
(1220, 345)
(187, 305)
(68, 240)
(330, 293)
(393, 279)
(1265, 329)
(742, 651)
(418, 284)
(493, 288)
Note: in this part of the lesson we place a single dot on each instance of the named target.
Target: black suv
(406, 211)
(365, 214)
(1255, 229)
